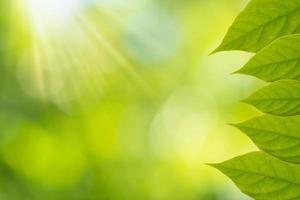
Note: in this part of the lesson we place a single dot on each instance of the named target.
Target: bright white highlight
(52, 12)
(69, 55)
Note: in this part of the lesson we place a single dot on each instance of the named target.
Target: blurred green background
(119, 99)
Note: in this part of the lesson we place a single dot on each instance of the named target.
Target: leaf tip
(214, 52)
(246, 100)
(218, 49)
(214, 165)
(235, 125)
(239, 71)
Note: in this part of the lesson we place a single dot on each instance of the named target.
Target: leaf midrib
(274, 99)
(270, 131)
(249, 67)
(260, 174)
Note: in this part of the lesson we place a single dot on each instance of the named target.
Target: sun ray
(149, 41)
(123, 62)
(67, 50)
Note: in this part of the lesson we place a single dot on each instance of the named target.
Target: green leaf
(279, 98)
(279, 60)
(278, 136)
(260, 23)
(263, 177)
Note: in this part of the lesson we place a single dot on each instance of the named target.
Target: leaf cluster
(271, 30)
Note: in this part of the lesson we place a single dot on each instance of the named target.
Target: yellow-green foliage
(269, 28)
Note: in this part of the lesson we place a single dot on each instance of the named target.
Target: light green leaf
(279, 98)
(278, 136)
(279, 60)
(260, 23)
(263, 177)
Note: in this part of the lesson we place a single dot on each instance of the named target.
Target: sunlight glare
(52, 12)
(69, 55)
